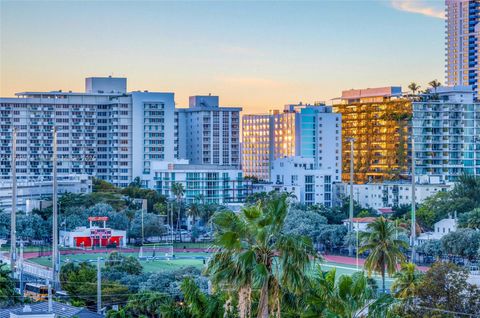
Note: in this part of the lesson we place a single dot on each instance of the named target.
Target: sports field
(162, 262)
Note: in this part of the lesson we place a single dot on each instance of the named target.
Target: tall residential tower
(462, 43)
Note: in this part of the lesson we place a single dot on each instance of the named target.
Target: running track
(345, 260)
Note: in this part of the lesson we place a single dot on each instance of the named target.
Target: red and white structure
(84, 237)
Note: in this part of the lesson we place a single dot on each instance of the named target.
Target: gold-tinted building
(378, 121)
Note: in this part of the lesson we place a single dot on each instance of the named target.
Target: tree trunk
(383, 278)
(263, 301)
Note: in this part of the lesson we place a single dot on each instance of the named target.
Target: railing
(31, 268)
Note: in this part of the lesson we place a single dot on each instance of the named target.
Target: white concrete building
(207, 133)
(440, 229)
(208, 183)
(360, 224)
(446, 128)
(310, 131)
(391, 194)
(40, 189)
(311, 185)
(112, 134)
(104, 132)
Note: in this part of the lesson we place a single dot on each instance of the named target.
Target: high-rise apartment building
(462, 43)
(310, 131)
(210, 134)
(113, 134)
(377, 119)
(446, 128)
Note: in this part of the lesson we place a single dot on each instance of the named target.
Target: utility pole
(99, 287)
(171, 226)
(144, 207)
(350, 214)
(413, 229)
(55, 213)
(13, 218)
(50, 304)
(21, 271)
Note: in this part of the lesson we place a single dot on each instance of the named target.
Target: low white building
(440, 229)
(206, 183)
(299, 176)
(94, 236)
(359, 224)
(30, 192)
(390, 194)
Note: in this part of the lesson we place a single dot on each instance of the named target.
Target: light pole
(55, 212)
(13, 219)
(350, 214)
(413, 228)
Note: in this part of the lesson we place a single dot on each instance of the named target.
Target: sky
(256, 54)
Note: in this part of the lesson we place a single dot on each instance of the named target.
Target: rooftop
(59, 309)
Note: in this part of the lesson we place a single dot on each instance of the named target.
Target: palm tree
(406, 281)
(255, 255)
(414, 88)
(178, 191)
(383, 246)
(345, 297)
(435, 84)
(195, 211)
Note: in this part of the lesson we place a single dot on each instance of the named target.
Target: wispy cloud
(432, 9)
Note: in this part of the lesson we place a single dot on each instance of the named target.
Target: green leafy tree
(303, 222)
(383, 247)
(152, 225)
(8, 295)
(444, 287)
(254, 253)
(463, 242)
(124, 264)
(470, 219)
(431, 248)
(80, 281)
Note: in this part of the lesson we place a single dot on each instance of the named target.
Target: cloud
(420, 7)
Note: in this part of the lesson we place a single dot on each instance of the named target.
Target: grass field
(182, 260)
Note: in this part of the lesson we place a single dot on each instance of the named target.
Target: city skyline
(256, 55)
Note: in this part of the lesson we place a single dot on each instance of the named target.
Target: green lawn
(149, 265)
(189, 259)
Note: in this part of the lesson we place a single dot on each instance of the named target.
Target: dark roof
(61, 310)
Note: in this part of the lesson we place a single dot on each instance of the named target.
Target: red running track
(345, 260)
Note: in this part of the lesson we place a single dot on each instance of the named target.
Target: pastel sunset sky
(259, 55)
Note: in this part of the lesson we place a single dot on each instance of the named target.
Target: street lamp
(413, 228)
(350, 223)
